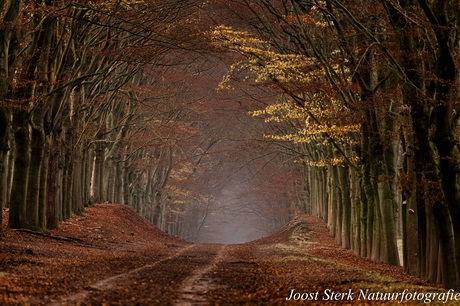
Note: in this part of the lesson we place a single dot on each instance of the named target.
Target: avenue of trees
(368, 97)
(85, 116)
(114, 101)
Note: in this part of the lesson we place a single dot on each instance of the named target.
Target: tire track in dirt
(195, 287)
(111, 281)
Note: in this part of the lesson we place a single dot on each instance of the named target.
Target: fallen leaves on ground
(108, 239)
(111, 256)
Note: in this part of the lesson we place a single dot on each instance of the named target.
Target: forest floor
(110, 256)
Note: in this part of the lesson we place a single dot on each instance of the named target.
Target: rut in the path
(195, 287)
(109, 282)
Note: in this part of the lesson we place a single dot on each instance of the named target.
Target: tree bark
(17, 216)
(3, 162)
(51, 186)
(346, 206)
(33, 192)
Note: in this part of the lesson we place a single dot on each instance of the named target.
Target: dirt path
(264, 273)
(109, 265)
(197, 285)
(113, 281)
(248, 274)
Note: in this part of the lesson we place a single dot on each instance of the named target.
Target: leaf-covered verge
(108, 239)
(304, 256)
(76, 265)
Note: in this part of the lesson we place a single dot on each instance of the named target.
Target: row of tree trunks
(72, 133)
(397, 73)
(435, 154)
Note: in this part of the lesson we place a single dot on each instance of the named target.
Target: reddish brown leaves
(113, 257)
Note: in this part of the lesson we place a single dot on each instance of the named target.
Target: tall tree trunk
(446, 132)
(33, 190)
(343, 173)
(51, 186)
(363, 218)
(9, 47)
(69, 165)
(388, 223)
(98, 172)
(43, 187)
(17, 216)
(3, 163)
(431, 200)
(410, 214)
